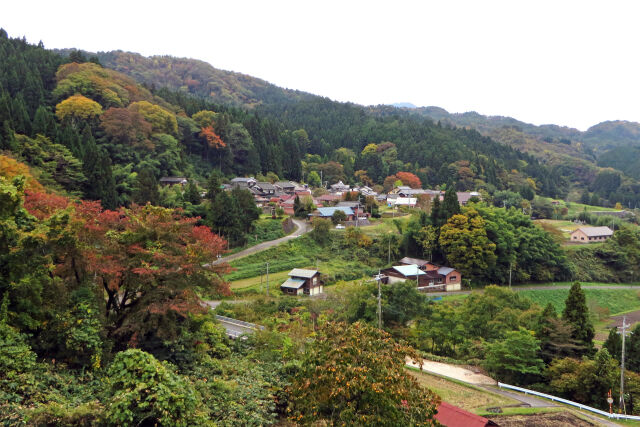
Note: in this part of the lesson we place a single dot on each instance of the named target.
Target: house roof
(416, 261)
(241, 179)
(408, 270)
(596, 231)
(265, 186)
(301, 272)
(173, 179)
(452, 416)
(329, 211)
(293, 283)
(348, 204)
(286, 184)
(464, 196)
(445, 270)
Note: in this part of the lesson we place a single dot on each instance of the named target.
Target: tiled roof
(408, 260)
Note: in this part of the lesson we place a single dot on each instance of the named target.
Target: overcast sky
(573, 63)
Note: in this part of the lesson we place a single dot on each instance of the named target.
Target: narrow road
(468, 376)
(302, 228)
(538, 288)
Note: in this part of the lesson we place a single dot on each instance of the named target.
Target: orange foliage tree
(42, 205)
(213, 140)
(10, 168)
(409, 179)
(126, 127)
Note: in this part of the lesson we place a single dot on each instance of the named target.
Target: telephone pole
(624, 332)
(379, 279)
(267, 279)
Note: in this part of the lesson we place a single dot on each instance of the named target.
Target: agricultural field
(604, 302)
(470, 398)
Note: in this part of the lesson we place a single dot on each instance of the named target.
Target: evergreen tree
(632, 350)
(450, 205)
(614, 343)
(7, 137)
(146, 188)
(192, 194)
(214, 184)
(224, 217)
(584, 199)
(297, 205)
(437, 217)
(44, 123)
(576, 313)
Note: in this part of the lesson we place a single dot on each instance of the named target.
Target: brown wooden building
(302, 282)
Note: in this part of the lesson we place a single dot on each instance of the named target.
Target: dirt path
(302, 228)
(453, 371)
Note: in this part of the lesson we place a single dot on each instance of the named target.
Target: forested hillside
(568, 154)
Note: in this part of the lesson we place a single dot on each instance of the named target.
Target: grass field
(472, 399)
(612, 300)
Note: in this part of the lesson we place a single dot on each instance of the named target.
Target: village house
(452, 416)
(329, 211)
(436, 275)
(339, 188)
(241, 182)
(302, 282)
(287, 187)
(173, 180)
(265, 189)
(591, 234)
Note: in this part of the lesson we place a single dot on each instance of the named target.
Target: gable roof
(301, 272)
(265, 186)
(176, 179)
(329, 211)
(452, 416)
(445, 270)
(242, 179)
(408, 270)
(416, 261)
(596, 231)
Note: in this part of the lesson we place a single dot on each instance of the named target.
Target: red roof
(452, 416)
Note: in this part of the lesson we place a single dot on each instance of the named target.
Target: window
(453, 278)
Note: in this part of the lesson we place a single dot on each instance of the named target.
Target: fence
(569, 402)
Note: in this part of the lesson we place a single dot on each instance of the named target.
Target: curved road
(302, 228)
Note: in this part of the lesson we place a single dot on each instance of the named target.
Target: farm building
(302, 282)
(591, 234)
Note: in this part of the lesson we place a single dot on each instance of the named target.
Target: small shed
(452, 416)
(302, 282)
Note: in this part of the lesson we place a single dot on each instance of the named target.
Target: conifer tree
(576, 313)
(192, 194)
(146, 189)
(450, 205)
(213, 185)
(614, 343)
(436, 213)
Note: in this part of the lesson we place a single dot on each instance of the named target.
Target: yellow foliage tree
(162, 121)
(77, 107)
(10, 168)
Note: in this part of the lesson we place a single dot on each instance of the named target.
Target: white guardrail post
(569, 402)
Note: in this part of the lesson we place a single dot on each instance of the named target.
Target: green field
(265, 229)
(612, 301)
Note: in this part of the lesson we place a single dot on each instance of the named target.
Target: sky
(571, 63)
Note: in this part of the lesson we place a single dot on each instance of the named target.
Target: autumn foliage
(10, 168)
(409, 179)
(78, 107)
(126, 127)
(42, 205)
(213, 140)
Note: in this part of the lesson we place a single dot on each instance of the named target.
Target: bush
(144, 391)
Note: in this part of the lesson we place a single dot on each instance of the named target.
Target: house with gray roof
(302, 282)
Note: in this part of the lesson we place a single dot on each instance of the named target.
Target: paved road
(237, 328)
(302, 227)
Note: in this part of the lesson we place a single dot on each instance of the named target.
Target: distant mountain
(403, 105)
(611, 134)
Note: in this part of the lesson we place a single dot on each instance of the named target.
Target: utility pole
(510, 268)
(389, 260)
(379, 279)
(267, 279)
(624, 332)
